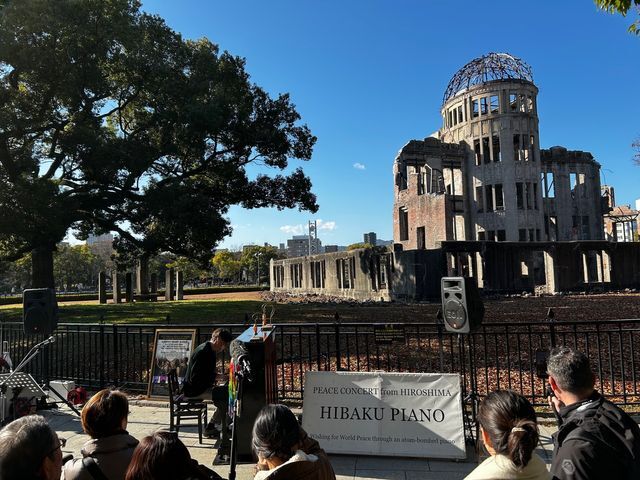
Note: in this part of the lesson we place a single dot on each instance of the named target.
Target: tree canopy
(622, 7)
(111, 121)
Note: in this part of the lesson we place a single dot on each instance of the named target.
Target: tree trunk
(42, 267)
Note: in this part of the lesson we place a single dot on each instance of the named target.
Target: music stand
(19, 383)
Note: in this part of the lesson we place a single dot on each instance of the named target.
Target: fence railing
(496, 356)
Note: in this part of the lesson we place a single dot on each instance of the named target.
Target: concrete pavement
(146, 418)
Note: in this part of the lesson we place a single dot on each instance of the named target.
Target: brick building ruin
(480, 198)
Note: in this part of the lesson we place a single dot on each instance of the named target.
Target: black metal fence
(496, 356)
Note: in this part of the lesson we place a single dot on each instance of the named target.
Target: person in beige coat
(104, 419)
(510, 435)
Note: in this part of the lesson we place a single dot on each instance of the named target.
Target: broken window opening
(403, 219)
(535, 195)
(499, 196)
(501, 235)
(421, 237)
(522, 235)
(479, 199)
(530, 103)
(573, 181)
(486, 153)
(481, 236)
(484, 106)
(548, 187)
(476, 149)
(459, 110)
(496, 148)
(523, 105)
(489, 196)
(495, 104)
(513, 102)
(519, 196)
(474, 108)
(525, 148)
(531, 147)
(516, 147)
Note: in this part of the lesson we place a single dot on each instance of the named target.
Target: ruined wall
(361, 274)
(571, 195)
(429, 189)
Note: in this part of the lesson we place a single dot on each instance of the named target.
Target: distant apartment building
(303, 245)
(371, 238)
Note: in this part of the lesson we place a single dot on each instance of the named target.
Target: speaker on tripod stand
(40, 311)
(462, 312)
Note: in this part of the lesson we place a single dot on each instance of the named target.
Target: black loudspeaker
(39, 311)
(462, 307)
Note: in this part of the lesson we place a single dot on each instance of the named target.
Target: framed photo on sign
(171, 349)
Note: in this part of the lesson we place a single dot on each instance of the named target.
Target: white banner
(395, 414)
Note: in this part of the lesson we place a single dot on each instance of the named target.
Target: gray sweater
(112, 454)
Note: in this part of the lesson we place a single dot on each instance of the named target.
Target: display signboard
(394, 414)
(388, 334)
(171, 349)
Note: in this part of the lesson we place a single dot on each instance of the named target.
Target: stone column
(169, 284)
(585, 268)
(606, 266)
(142, 276)
(550, 273)
(102, 287)
(154, 283)
(179, 285)
(115, 284)
(128, 287)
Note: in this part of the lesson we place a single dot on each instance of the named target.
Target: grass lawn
(186, 311)
(225, 311)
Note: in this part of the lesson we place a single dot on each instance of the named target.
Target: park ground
(243, 307)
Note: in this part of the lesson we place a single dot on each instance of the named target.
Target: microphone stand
(237, 413)
(35, 350)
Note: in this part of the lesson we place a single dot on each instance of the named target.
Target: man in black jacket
(595, 438)
(200, 377)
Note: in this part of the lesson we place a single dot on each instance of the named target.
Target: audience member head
(105, 414)
(161, 456)
(276, 434)
(29, 450)
(509, 426)
(570, 372)
(221, 338)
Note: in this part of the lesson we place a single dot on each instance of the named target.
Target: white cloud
(359, 166)
(293, 229)
(322, 225)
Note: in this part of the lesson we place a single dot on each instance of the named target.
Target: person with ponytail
(510, 435)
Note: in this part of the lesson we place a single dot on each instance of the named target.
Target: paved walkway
(144, 420)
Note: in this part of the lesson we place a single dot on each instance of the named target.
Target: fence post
(102, 353)
(336, 327)
(116, 370)
(551, 317)
(318, 345)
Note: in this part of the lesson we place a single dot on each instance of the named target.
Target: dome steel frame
(490, 67)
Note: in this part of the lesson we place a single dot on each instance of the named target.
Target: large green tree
(112, 122)
(255, 259)
(623, 7)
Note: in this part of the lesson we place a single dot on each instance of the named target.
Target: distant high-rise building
(370, 238)
(299, 246)
(104, 238)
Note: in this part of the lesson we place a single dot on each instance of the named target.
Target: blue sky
(367, 76)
